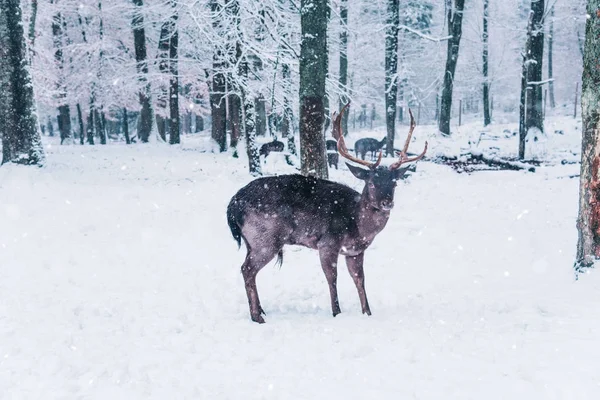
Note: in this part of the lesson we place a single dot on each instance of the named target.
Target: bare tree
(531, 114)
(454, 15)
(588, 222)
(391, 71)
(487, 119)
(313, 72)
(141, 58)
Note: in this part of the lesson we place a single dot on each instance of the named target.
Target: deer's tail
(234, 214)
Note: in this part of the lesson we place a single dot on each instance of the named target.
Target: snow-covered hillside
(119, 279)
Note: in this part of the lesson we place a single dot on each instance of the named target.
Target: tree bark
(126, 126)
(219, 85)
(287, 130)
(487, 119)
(90, 126)
(550, 63)
(343, 83)
(261, 115)
(175, 122)
(391, 72)
(454, 20)
(21, 141)
(313, 71)
(164, 68)
(64, 111)
(81, 126)
(141, 58)
(32, 22)
(588, 222)
(531, 107)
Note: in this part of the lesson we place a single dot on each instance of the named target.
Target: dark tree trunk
(32, 22)
(126, 127)
(199, 123)
(64, 112)
(531, 107)
(64, 124)
(174, 137)
(90, 125)
(454, 20)
(550, 66)
(487, 119)
(261, 115)
(21, 141)
(391, 72)
(219, 85)
(344, 96)
(99, 126)
(588, 222)
(141, 58)
(81, 125)
(235, 120)
(248, 122)
(313, 71)
(164, 68)
(287, 130)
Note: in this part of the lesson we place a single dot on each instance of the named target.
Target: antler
(341, 144)
(402, 154)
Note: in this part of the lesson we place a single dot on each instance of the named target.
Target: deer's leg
(329, 263)
(255, 261)
(355, 268)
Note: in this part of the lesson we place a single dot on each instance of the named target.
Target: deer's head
(380, 182)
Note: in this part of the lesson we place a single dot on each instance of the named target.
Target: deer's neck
(371, 220)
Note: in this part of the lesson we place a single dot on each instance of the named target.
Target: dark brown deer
(332, 156)
(267, 148)
(332, 218)
(368, 145)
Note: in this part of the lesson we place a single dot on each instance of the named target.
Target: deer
(334, 219)
(366, 145)
(332, 156)
(267, 148)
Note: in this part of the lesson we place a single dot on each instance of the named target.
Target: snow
(119, 279)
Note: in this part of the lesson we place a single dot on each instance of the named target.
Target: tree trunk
(126, 127)
(99, 126)
(454, 20)
(487, 119)
(287, 130)
(81, 126)
(343, 83)
(235, 119)
(588, 222)
(313, 71)
(64, 112)
(261, 115)
(32, 22)
(21, 141)
(199, 123)
(219, 85)
(164, 68)
(174, 136)
(531, 108)
(90, 125)
(141, 58)
(391, 72)
(550, 66)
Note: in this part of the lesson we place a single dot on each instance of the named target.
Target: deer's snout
(387, 205)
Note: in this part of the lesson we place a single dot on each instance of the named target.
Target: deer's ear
(362, 174)
(400, 173)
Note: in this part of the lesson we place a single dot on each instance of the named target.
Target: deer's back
(297, 209)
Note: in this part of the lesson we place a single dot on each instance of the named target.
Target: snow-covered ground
(119, 279)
